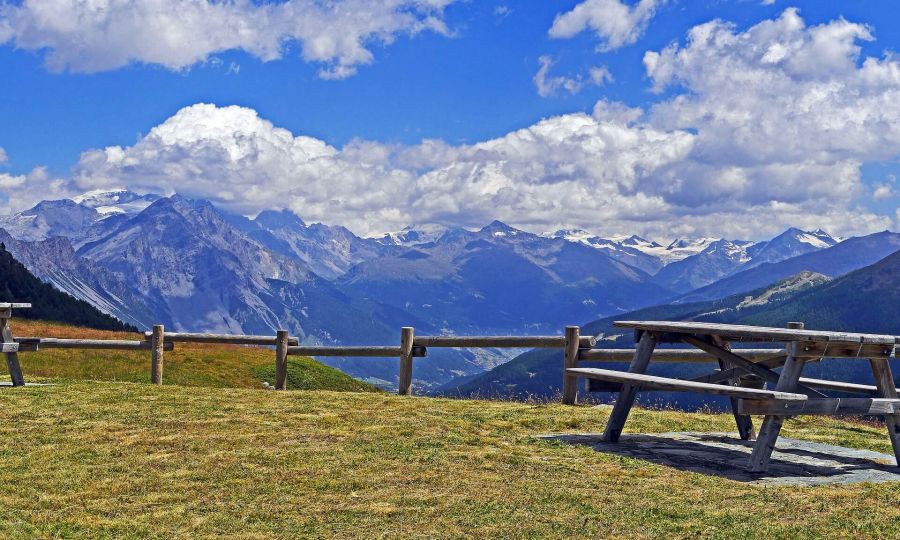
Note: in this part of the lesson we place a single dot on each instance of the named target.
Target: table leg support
(642, 354)
(884, 380)
(771, 427)
(12, 359)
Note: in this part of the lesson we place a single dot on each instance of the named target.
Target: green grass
(213, 455)
(117, 460)
(307, 374)
(220, 366)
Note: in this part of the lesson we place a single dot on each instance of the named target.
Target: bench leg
(887, 388)
(642, 354)
(744, 421)
(12, 359)
(768, 433)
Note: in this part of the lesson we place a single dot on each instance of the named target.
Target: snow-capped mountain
(723, 258)
(80, 218)
(632, 250)
(117, 201)
(414, 235)
(718, 259)
(790, 243)
(191, 266)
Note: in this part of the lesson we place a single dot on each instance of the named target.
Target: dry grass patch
(135, 461)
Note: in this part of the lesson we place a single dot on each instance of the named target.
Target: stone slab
(794, 462)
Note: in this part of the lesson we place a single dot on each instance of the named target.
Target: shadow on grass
(794, 462)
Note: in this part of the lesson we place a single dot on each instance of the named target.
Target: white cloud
(883, 191)
(99, 35)
(3, 157)
(18, 192)
(550, 85)
(570, 165)
(600, 75)
(614, 22)
(751, 140)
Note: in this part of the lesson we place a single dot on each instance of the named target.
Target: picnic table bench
(743, 380)
(8, 345)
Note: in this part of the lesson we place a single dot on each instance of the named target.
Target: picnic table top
(14, 305)
(739, 332)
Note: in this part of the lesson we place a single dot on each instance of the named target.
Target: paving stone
(794, 462)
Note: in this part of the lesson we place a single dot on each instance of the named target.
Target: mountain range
(863, 300)
(148, 259)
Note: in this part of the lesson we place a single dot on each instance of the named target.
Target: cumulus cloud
(791, 110)
(106, 34)
(245, 163)
(614, 22)
(748, 141)
(18, 192)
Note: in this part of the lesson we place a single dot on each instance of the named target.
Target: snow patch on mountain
(116, 201)
(414, 235)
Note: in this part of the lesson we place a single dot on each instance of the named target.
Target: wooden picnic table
(744, 380)
(9, 346)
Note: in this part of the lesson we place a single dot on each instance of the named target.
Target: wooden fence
(576, 348)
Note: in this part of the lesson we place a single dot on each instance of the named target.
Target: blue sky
(471, 82)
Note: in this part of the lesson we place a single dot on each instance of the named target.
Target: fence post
(281, 350)
(157, 342)
(406, 361)
(570, 382)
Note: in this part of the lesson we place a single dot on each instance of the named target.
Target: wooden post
(642, 354)
(281, 350)
(887, 388)
(771, 426)
(406, 361)
(157, 340)
(12, 358)
(743, 421)
(570, 360)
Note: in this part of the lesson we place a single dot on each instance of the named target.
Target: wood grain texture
(12, 357)
(771, 426)
(156, 354)
(690, 356)
(359, 351)
(737, 332)
(640, 380)
(281, 354)
(407, 335)
(737, 361)
(820, 406)
(518, 342)
(887, 388)
(624, 401)
(228, 339)
(570, 360)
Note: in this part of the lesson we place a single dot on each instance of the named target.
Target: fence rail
(576, 349)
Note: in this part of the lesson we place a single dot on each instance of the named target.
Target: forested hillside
(17, 284)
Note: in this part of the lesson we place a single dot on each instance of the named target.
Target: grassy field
(123, 460)
(213, 455)
(190, 364)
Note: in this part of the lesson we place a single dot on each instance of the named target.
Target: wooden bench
(741, 377)
(639, 380)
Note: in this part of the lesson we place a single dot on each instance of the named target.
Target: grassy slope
(224, 366)
(132, 460)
